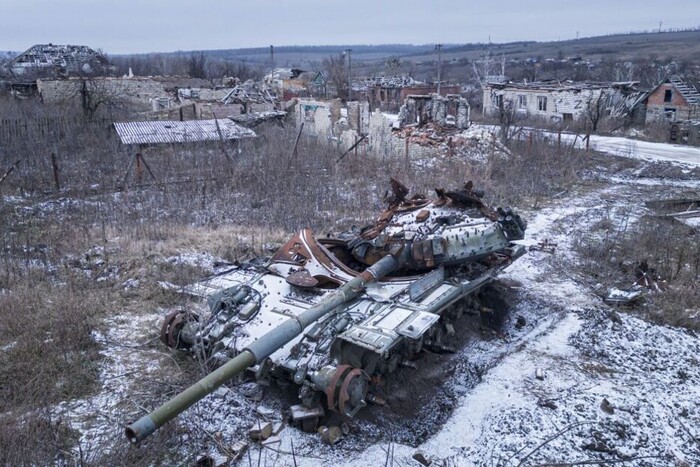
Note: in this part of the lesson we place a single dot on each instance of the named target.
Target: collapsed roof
(565, 85)
(60, 58)
(248, 93)
(688, 86)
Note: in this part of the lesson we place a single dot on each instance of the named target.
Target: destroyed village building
(675, 101)
(676, 98)
(56, 60)
(561, 101)
(388, 93)
(51, 61)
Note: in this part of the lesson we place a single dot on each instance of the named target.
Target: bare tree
(596, 108)
(508, 119)
(488, 67)
(197, 65)
(337, 69)
(393, 66)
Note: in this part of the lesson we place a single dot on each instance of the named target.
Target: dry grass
(48, 352)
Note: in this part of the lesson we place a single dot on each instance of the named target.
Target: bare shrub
(658, 131)
(671, 250)
(539, 166)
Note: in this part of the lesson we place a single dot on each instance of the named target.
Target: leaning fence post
(139, 168)
(9, 171)
(56, 170)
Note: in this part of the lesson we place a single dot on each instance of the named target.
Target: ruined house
(451, 110)
(249, 97)
(561, 101)
(430, 125)
(675, 102)
(675, 98)
(320, 85)
(58, 60)
(389, 93)
(287, 83)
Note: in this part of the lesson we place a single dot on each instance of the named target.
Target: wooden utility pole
(408, 163)
(348, 52)
(222, 142)
(438, 47)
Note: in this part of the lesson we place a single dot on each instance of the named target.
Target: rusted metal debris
(647, 280)
(545, 245)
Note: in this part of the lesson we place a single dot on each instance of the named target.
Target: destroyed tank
(335, 315)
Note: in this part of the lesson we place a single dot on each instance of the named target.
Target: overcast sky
(132, 26)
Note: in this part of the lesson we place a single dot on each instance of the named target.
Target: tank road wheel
(347, 390)
(170, 331)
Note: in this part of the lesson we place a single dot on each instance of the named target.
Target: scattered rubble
(260, 431)
(421, 459)
(330, 435)
(545, 245)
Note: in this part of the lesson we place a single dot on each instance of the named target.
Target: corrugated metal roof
(190, 131)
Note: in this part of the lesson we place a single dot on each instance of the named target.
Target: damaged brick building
(675, 98)
(676, 101)
(389, 93)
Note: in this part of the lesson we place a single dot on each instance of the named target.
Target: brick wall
(135, 91)
(656, 105)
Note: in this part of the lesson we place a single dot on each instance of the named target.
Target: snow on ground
(646, 150)
(619, 146)
(126, 357)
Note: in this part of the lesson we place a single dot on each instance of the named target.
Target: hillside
(664, 46)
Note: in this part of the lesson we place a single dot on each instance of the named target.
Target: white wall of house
(553, 105)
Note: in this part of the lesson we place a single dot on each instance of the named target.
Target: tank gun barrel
(263, 347)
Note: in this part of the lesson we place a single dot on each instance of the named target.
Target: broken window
(668, 95)
(522, 101)
(568, 117)
(542, 103)
(670, 113)
(498, 100)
